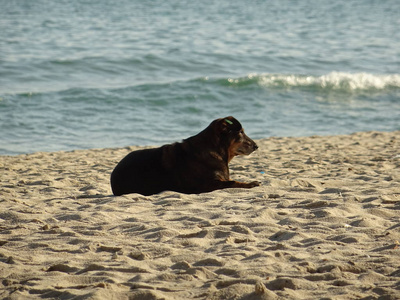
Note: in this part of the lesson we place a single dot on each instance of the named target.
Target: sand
(325, 224)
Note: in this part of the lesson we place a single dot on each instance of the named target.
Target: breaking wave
(334, 81)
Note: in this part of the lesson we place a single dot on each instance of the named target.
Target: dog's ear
(229, 124)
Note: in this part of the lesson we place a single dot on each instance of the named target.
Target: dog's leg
(236, 184)
(246, 185)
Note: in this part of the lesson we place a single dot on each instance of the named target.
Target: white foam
(333, 80)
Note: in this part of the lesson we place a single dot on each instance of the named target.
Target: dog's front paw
(254, 184)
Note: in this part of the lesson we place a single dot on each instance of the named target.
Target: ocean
(92, 74)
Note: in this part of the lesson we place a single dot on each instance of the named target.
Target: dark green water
(83, 74)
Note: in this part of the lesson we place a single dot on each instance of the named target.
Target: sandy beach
(324, 224)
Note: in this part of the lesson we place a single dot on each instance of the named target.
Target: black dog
(198, 164)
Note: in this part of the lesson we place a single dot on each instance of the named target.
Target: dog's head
(232, 137)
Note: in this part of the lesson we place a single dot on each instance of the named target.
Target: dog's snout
(255, 147)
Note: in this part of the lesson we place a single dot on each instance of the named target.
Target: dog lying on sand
(198, 164)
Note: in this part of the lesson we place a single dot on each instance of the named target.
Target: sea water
(91, 74)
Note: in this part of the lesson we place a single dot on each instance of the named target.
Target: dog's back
(171, 167)
(140, 172)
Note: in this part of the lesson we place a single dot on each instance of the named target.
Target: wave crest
(335, 81)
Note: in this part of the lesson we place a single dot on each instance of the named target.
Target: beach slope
(325, 224)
